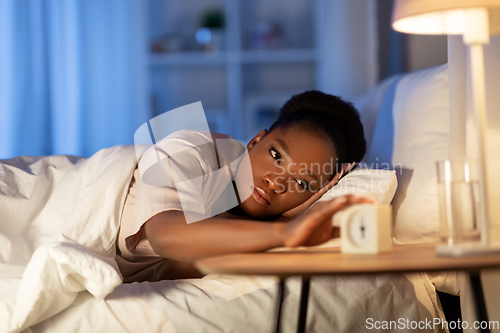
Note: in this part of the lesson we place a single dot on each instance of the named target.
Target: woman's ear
(256, 139)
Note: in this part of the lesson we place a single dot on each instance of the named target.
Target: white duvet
(59, 217)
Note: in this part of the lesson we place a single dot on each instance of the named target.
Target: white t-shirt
(185, 171)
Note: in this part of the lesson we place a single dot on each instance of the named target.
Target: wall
(424, 51)
(404, 52)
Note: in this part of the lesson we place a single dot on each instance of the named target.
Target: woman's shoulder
(215, 149)
(192, 149)
(186, 139)
(193, 136)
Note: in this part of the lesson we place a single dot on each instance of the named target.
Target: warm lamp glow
(446, 17)
(450, 22)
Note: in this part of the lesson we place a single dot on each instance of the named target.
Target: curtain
(348, 47)
(73, 76)
(392, 45)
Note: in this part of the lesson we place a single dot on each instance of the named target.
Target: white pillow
(421, 137)
(369, 104)
(378, 184)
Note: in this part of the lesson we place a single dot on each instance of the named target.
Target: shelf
(284, 55)
(236, 82)
(223, 57)
(188, 58)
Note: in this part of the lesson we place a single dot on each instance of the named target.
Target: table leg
(278, 305)
(477, 294)
(304, 297)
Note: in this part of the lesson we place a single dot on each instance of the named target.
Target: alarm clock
(365, 228)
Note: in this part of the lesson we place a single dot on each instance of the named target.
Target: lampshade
(441, 16)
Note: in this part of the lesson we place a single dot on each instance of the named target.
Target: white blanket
(245, 305)
(59, 217)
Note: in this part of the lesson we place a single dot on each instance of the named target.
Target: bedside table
(307, 262)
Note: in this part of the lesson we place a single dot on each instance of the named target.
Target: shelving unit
(239, 86)
(245, 57)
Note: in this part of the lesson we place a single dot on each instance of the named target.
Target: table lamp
(476, 20)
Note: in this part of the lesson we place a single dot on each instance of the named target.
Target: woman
(317, 138)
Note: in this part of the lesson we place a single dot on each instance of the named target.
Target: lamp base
(466, 249)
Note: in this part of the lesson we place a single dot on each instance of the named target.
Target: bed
(60, 217)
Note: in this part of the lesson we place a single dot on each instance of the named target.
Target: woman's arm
(171, 237)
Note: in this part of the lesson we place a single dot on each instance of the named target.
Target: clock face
(360, 231)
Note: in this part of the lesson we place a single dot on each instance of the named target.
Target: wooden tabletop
(308, 262)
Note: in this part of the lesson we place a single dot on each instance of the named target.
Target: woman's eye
(303, 184)
(275, 154)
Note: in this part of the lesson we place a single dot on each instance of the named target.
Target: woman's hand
(296, 211)
(315, 226)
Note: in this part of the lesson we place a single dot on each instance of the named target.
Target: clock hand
(362, 227)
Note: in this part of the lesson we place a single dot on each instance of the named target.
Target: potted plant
(211, 36)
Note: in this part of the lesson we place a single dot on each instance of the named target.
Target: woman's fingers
(345, 169)
(326, 209)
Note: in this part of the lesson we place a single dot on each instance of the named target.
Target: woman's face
(288, 166)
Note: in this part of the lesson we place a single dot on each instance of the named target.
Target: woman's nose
(276, 183)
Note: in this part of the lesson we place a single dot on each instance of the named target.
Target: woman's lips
(261, 196)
